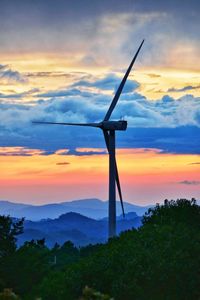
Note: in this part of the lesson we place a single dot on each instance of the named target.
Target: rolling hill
(92, 208)
(75, 227)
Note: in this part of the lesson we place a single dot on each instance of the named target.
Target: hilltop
(92, 208)
(75, 227)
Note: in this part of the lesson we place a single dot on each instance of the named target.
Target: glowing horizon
(57, 177)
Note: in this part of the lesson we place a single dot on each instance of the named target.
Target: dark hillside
(158, 261)
(71, 226)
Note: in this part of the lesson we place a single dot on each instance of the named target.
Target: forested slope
(160, 260)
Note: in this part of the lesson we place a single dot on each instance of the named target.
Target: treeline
(160, 260)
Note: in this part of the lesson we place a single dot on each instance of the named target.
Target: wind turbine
(109, 127)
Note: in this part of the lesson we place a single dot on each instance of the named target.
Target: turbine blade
(106, 137)
(70, 124)
(119, 188)
(116, 172)
(121, 86)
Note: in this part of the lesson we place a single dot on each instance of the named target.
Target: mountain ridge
(75, 227)
(92, 208)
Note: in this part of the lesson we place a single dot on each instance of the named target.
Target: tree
(8, 294)
(91, 294)
(64, 255)
(9, 229)
(160, 260)
(31, 263)
(172, 212)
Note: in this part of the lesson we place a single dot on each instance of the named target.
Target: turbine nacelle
(113, 125)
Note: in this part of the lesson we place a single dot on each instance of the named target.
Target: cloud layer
(10, 75)
(189, 182)
(103, 32)
(168, 124)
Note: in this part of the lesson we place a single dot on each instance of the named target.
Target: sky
(62, 61)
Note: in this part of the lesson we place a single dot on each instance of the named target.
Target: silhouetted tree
(8, 294)
(91, 294)
(160, 260)
(173, 212)
(9, 229)
(31, 263)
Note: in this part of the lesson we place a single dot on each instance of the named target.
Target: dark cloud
(86, 8)
(106, 32)
(48, 74)
(178, 140)
(15, 95)
(63, 93)
(109, 82)
(195, 163)
(62, 163)
(10, 75)
(151, 75)
(184, 89)
(167, 99)
(189, 182)
(83, 153)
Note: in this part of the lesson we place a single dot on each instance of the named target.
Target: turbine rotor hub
(114, 125)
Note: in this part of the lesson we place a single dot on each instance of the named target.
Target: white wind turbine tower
(109, 127)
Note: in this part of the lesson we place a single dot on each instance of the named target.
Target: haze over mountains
(75, 227)
(80, 221)
(91, 208)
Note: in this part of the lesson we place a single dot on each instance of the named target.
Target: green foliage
(31, 262)
(91, 294)
(159, 261)
(9, 229)
(8, 294)
(173, 212)
(8, 232)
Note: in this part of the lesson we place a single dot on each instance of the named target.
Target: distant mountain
(92, 208)
(75, 227)
(6, 206)
(128, 216)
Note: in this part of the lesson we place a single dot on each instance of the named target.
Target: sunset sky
(62, 61)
